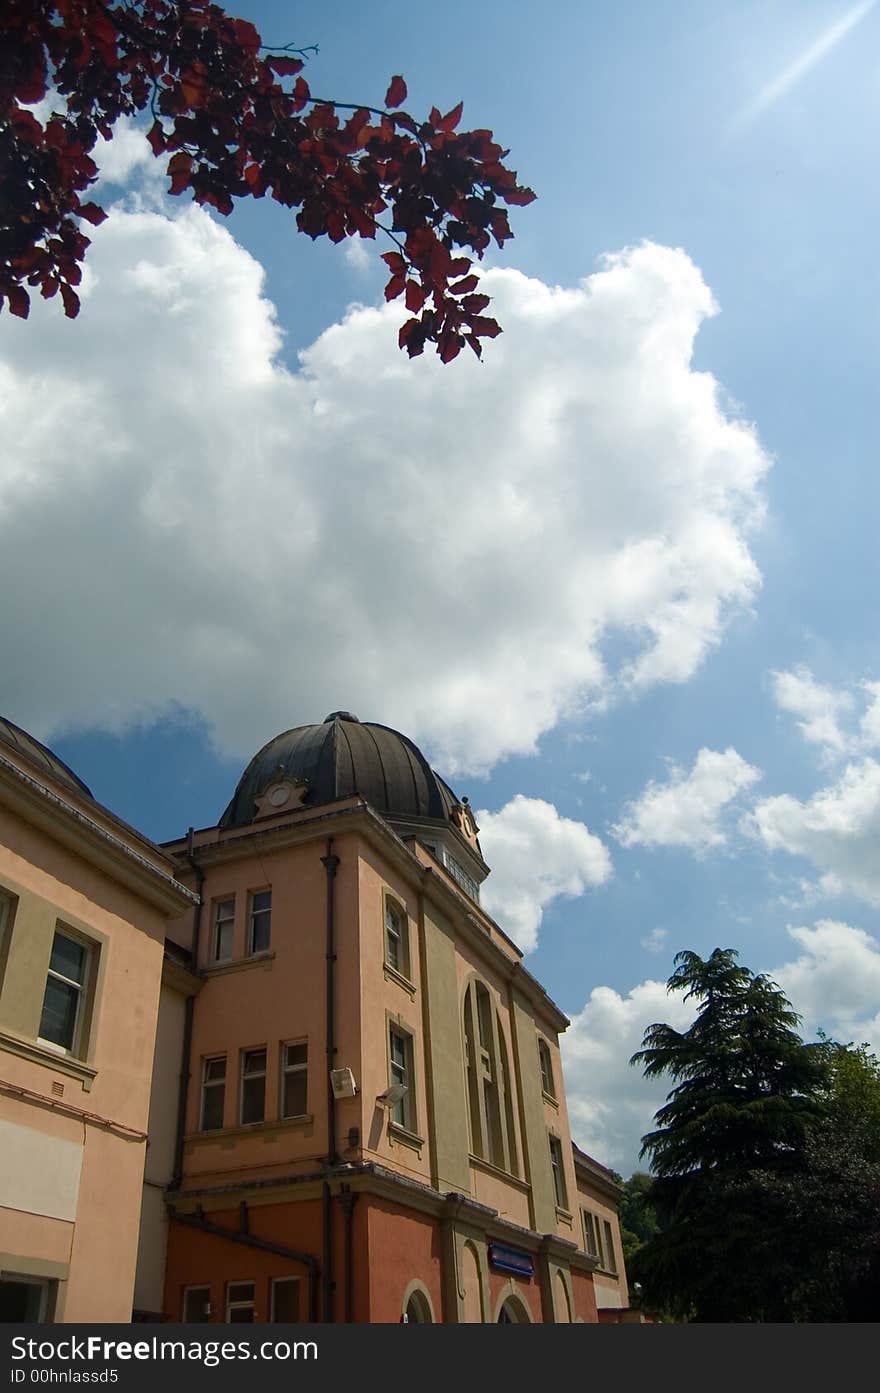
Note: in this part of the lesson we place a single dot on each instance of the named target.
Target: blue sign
(511, 1260)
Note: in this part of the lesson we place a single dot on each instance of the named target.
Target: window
(65, 998)
(285, 1300)
(253, 1086)
(591, 1235)
(546, 1063)
(25, 1300)
(196, 1305)
(558, 1173)
(240, 1303)
(260, 921)
(396, 938)
(490, 1099)
(224, 923)
(610, 1260)
(213, 1092)
(7, 907)
(294, 1079)
(401, 1071)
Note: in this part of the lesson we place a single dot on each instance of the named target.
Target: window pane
(296, 1054)
(215, 1070)
(58, 1021)
(253, 1100)
(261, 921)
(195, 1305)
(255, 1062)
(295, 1090)
(241, 1291)
(285, 1300)
(241, 1315)
(212, 1107)
(262, 900)
(68, 958)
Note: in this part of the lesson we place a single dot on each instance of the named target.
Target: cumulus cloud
(825, 714)
(837, 830)
(611, 1104)
(536, 855)
(686, 810)
(655, 941)
(835, 983)
(185, 522)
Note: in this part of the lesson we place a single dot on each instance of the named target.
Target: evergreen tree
(746, 1095)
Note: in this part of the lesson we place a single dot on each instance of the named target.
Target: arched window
(418, 1309)
(396, 937)
(490, 1097)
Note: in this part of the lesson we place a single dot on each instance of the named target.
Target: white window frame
(245, 1076)
(557, 1166)
(239, 1304)
(610, 1260)
(398, 935)
(84, 988)
(591, 1235)
(213, 1084)
(274, 1284)
(287, 1069)
(403, 1114)
(253, 915)
(187, 1292)
(219, 922)
(545, 1061)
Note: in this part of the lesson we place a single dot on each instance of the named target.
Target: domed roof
(40, 756)
(338, 758)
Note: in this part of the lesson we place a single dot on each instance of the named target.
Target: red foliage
(233, 129)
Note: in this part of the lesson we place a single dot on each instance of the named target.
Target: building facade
(375, 1125)
(84, 902)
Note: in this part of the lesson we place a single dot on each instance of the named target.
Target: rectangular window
(610, 1259)
(558, 1173)
(591, 1237)
(400, 1067)
(196, 1305)
(213, 1092)
(64, 1002)
(285, 1300)
(7, 908)
(396, 938)
(253, 1086)
(260, 921)
(224, 924)
(240, 1303)
(294, 1079)
(546, 1064)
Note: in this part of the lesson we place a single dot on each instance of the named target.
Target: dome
(338, 758)
(40, 756)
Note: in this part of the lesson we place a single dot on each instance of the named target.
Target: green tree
(747, 1094)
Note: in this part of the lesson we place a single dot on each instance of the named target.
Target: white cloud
(611, 1104)
(838, 830)
(835, 983)
(655, 941)
(818, 707)
(687, 809)
(536, 855)
(184, 521)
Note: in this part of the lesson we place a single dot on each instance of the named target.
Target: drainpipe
(330, 864)
(242, 1235)
(348, 1198)
(189, 1011)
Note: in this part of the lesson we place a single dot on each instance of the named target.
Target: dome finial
(341, 716)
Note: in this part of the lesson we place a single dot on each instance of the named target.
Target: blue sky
(618, 580)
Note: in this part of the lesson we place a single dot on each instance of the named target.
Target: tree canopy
(766, 1160)
(238, 119)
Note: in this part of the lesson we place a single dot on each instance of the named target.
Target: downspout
(348, 1198)
(242, 1235)
(330, 862)
(189, 1011)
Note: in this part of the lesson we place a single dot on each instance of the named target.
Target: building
(84, 902)
(375, 1123)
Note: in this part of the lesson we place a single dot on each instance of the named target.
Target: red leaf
(19, 301)
(395, 263)
(474, 343)
(394, 287)
(156, 138)
(301, 90)
(520, 197)
(462, 287)
(415, 296)
(286, 67)
(486, 328)
(92, 213)
(71, 300)
(396, 93)
(253, 177)
(451, 119)
(246, 35)
(475, 304)
(450, 347)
